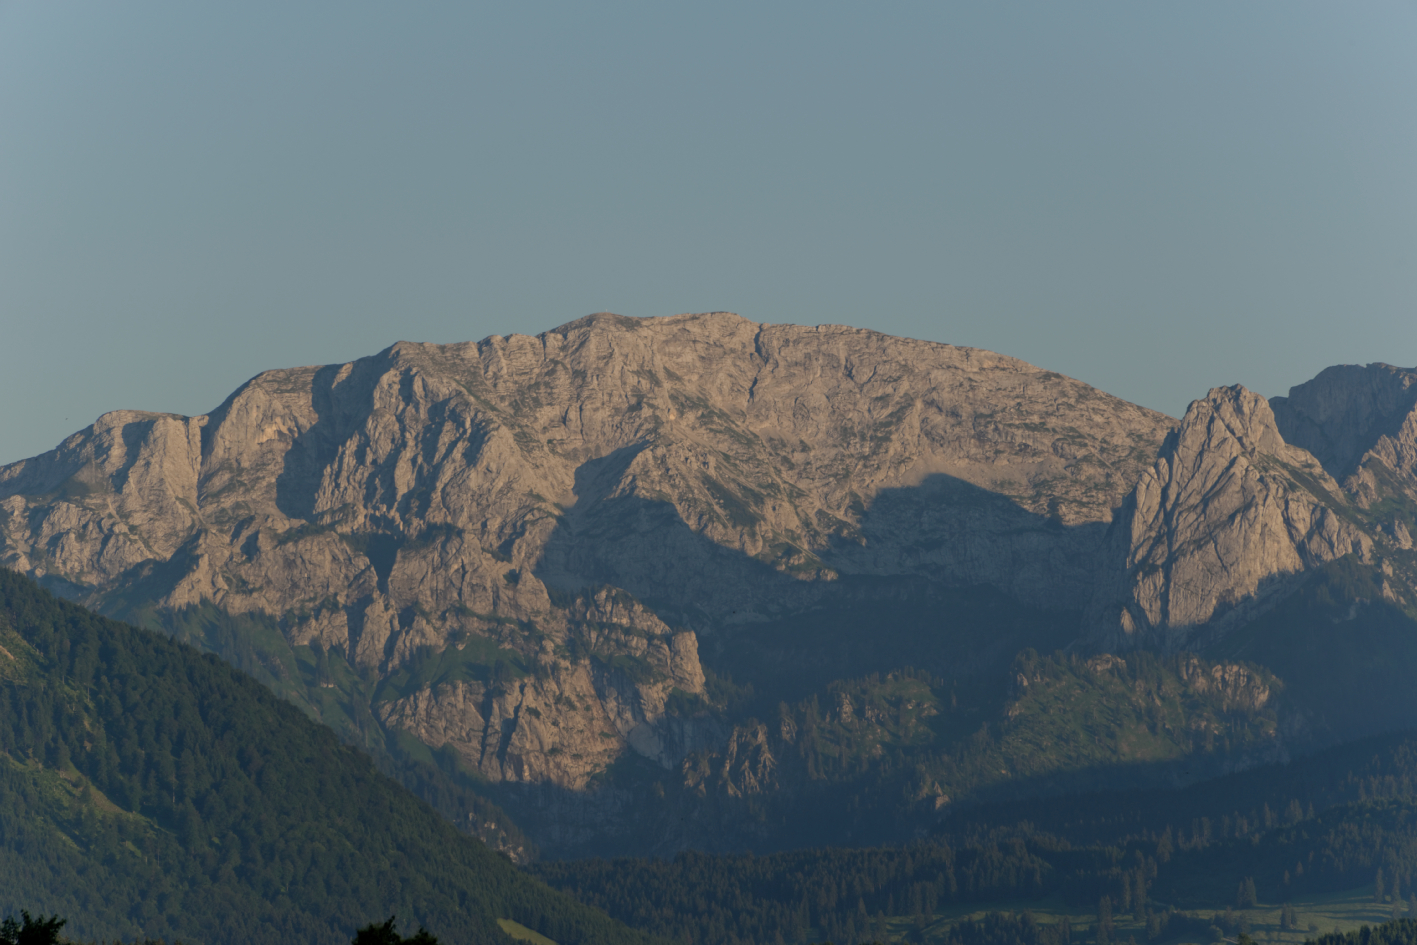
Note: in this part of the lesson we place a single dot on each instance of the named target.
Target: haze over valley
(787, 474)
(731, 576)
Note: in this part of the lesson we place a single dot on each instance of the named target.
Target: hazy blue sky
(1154, 198)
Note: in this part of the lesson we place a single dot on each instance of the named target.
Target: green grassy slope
(146, 789)
(881, 758)
(327, 689)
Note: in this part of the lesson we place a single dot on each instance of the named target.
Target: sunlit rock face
(1360, 422)
(485, 501)
(1228, 514)
(520, 545)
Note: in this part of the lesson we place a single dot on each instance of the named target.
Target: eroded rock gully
(1218, 526)
(525, 541)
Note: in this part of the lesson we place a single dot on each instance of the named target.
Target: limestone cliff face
(1238, 688)
(121, 493)
(749, 465)
(1360, 422)
(433, 512)
(1220, 524)
(513, 550)
(570, 718)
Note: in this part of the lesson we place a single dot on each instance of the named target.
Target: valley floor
(1316, 916)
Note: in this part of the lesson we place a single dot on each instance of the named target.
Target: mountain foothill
(634, 587)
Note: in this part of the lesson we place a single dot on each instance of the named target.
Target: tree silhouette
(1104, 920)
(30, 930)
(375, 934)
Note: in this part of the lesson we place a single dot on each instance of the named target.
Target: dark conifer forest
(1399, 932)
(1331, 822)
(149, 790)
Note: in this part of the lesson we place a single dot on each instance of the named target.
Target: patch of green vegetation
(1394, 498)
(908, 743)
(476, 659)
(637, 668)
(1393, 932)
(1030, 921)
(1071, 714)
(1149, 870)
(523, 934)
(18, 660)
(862, 720)
(328, 689)
(722, 692)
(685, 704)
(737, 509)
(241, 820)
(302, 531)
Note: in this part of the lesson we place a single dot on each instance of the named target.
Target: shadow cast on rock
(314, 449)
(959, 597)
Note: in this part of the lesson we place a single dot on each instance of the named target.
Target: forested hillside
(1400, 932)
(1342, 819)
(762, 586)
(149, 790)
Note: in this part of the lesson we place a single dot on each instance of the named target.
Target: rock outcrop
(1361, 424)
(570, 719)
(433, 513)
(514, 552)
(1212, 716)
(1227, 516)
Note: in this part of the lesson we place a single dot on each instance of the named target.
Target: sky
(1153, 198)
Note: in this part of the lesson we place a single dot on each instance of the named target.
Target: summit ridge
(540, 557)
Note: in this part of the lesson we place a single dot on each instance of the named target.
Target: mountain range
(641, 585)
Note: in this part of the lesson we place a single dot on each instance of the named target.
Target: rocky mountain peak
(434, 512)
(1341, 414)
(1214, 532)
(1227, 422)
(526, 552)
(1361, 423)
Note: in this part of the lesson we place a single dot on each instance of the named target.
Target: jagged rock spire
(1227, 515)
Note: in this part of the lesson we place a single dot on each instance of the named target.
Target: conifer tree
(384, 934)
(1104, 920)
(31, 930)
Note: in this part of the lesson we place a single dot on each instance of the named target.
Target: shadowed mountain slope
(590, 572)
(480, 498)
(149, 790)
(1223, 523)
